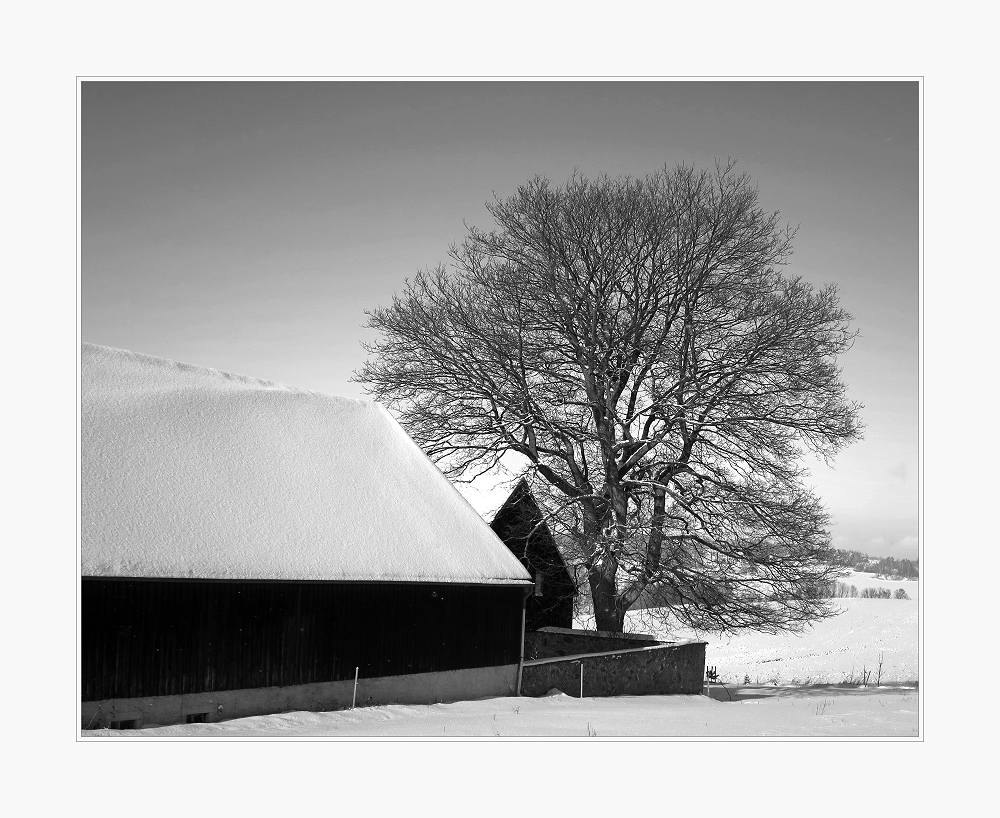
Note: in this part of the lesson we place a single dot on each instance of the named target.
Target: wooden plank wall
(520, 525)
(168, 637)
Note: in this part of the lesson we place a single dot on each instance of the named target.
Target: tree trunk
(607, 611)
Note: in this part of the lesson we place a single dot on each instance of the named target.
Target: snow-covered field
(756, 711)
(832, 651)
(864, 580)
(796, 687)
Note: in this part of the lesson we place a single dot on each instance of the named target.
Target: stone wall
(546, 643)
(656, 670)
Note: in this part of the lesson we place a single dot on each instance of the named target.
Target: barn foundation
(414, 688)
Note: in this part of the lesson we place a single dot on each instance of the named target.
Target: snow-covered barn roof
(194, 473)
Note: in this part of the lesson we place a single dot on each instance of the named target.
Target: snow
(190, 472)
(834, 650)
(831, 651)
(756, 711)
(862, 580)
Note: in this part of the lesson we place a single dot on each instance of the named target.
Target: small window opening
(196, 718)
(125, 724)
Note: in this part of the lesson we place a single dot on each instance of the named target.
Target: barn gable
(521, 525)
(192, 473)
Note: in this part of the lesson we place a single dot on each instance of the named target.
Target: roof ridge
(224, 374)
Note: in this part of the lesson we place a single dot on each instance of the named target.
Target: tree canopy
(637, 343)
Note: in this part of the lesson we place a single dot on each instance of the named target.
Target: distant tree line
(658, 595)
(887, 566)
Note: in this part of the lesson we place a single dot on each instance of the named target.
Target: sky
(247, 226)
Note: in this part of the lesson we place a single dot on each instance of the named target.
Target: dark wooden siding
(167, 637)
(520, 524)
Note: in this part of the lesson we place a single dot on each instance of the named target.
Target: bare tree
(635, 342)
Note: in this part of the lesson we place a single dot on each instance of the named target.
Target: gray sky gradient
(246, 226)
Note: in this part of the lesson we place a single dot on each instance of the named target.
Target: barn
(250, 548)
(520, 524)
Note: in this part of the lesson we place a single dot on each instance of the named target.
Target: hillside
(886, 567)
(832, 651)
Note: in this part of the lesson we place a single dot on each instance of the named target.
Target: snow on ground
(832, 651)
(755, 711)
(861, 580)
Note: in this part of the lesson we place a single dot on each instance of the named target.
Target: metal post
(354, 699)
(581, 678)
(520, 661)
